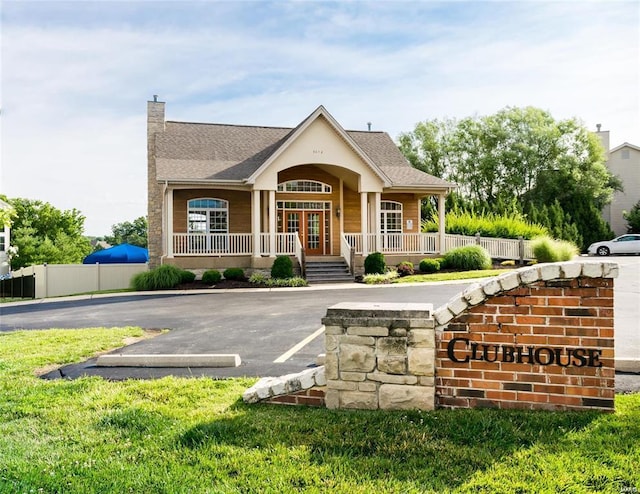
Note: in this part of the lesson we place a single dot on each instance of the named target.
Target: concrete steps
(332, 269)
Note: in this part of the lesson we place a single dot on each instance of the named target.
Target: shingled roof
(218, 152)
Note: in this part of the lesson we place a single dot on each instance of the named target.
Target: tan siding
(351, 200)
(239, 208)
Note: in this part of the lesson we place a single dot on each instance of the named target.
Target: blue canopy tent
(120, 254)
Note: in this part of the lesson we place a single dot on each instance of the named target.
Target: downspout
(164, 223)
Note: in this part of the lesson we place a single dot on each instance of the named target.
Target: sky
(75, 77)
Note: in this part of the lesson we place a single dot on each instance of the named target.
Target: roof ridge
(231, 125)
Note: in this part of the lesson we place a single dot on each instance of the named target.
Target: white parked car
(624, 244)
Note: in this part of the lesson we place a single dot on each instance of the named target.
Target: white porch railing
(285, 244)
(427, 243)
(230, 244)
(234, 244)
(212, 244)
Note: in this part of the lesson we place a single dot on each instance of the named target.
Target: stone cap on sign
(389, 310)
(367, 314)
(479, 292)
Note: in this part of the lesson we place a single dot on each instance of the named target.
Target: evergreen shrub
(429, 265)
(282, 268)
(187, 276)
(234, 274)
(374, 263)
(468, 258)
(211, 276)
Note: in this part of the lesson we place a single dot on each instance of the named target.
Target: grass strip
(178, 435)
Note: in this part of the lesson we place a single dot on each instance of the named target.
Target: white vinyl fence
(56, 280)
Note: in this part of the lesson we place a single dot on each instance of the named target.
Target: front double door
(310, 228)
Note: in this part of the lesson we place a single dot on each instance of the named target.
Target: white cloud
(76, 77)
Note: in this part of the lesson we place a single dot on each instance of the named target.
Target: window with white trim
(391, 216)
(208, 215)
(308, 186)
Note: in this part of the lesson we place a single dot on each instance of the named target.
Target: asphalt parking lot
(275, 332)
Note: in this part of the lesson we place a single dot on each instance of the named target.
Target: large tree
(45, 234)
(520, 154)
(134, 233)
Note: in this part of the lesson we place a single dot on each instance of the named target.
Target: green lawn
(196, 436)
(450, 276)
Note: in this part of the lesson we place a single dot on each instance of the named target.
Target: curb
(168, 360)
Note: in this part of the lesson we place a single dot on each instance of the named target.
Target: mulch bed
(221, 285)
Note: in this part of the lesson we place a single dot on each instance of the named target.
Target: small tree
(633, 218)
(133, 233)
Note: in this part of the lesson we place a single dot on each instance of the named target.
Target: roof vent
(598, 126)
(155, 98)
(369, 126)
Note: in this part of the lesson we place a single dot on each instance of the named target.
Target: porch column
(441, 223)
(272, 223)
(377, 221)
(255, 221)
(169, 229)
(364, 223)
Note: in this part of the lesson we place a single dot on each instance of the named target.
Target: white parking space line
(296, 348)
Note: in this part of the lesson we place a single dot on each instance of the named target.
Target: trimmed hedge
(429, 265)
(234, 274)
(211, 276)
(282, 268)
(374, 263)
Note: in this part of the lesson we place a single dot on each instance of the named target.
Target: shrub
(379, 278)
(258, 278)
(282, 268)
(160, 278)
(470, 257)
(511, 225)
(234, 274)
(211, 276)
(187, 276)
(547, 249)
(405, 268)
(295, 281)
(374, 263)
(429, 265)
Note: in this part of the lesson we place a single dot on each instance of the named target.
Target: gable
(319, 143)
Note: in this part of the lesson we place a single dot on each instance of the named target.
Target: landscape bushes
(374, 263)
(234, 274)
(486, 224)
(211, 276)
(429, 265)
(468, 258)
(161, 278)
(547, 249)
(282, 268)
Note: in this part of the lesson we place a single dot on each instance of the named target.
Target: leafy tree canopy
(134, 233)
(45, 234)
(521, 155)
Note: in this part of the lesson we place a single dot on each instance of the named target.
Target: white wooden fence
(56, 280)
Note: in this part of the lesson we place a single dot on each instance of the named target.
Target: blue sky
(76, 77)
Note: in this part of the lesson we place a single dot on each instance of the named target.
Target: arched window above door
(309, 186)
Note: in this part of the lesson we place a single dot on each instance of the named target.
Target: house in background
(238, 196)
(624, 162)
(5, 243)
